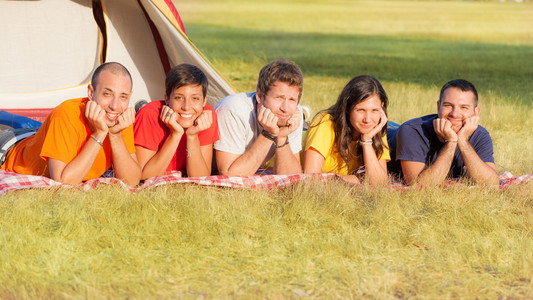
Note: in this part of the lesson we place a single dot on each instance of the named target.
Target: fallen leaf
(421, 247)
(252, 233)
(300, 292)
(101, 219)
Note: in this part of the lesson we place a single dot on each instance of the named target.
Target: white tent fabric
(49, 49)
(37, 57)
(181, 50)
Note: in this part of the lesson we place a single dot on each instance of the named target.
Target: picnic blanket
(12, 181)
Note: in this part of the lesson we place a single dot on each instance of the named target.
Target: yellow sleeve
(320, 135)
(386, 153)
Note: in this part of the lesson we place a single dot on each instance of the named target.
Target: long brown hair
(357, 90)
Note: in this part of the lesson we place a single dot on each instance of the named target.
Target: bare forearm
(75, 171)
(158, 163)
(126, 168)
(375, 171)
(285, 162)
(477, 169)
(250, 161)
(437, 172)
(196, 162)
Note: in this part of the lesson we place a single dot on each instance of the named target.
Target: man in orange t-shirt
(83, 137)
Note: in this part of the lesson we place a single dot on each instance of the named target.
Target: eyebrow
(110, 90)
(460, 104)
(284, 96)
(196, 94)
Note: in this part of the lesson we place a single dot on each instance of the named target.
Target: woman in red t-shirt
(177, 134)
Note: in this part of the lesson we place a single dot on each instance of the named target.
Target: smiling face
(456, 106)
(365, 115)
(188, 102)
(282, 100)
(112, 93)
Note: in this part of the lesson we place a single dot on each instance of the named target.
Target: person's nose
(114, 104)
(186, 104)
(454, 112)
(366, 117)
(284, 106)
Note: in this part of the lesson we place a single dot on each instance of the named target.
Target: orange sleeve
(127, 136)
(66, 132)
(60, 137)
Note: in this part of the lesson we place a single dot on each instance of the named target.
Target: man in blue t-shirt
(428, 149)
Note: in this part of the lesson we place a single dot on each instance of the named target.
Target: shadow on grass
(506, 70)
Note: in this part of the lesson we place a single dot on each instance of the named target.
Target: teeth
(186, 115)
(112, 115)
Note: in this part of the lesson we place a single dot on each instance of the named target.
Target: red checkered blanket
(12, 181)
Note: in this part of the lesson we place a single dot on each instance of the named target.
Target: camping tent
(50, 48)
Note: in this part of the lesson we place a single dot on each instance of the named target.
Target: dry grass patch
(318, 239)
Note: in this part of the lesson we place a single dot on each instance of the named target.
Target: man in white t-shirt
(254, 127)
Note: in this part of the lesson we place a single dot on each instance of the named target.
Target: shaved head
(114, 68)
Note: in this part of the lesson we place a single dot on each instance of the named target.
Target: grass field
(314, 239)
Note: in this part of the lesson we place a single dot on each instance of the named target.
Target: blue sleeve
(482, 144)
(411, 144)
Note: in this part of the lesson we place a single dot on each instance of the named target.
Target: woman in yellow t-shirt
(351, 134)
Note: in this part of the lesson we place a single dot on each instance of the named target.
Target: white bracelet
(97, 140)
(361, 142)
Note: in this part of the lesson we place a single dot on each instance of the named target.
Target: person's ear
(476, 111)
(90, 91)
(258, 97)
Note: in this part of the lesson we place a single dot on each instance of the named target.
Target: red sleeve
(149, 131)
(210, 135)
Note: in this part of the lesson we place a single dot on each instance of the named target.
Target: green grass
(503, 69)
(305, 240)
(314, 239)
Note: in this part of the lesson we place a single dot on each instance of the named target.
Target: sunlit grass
(507, 23)
(314, 239)
(177, 241)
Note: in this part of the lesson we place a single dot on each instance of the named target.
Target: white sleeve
(295, 138)
(232, 131)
